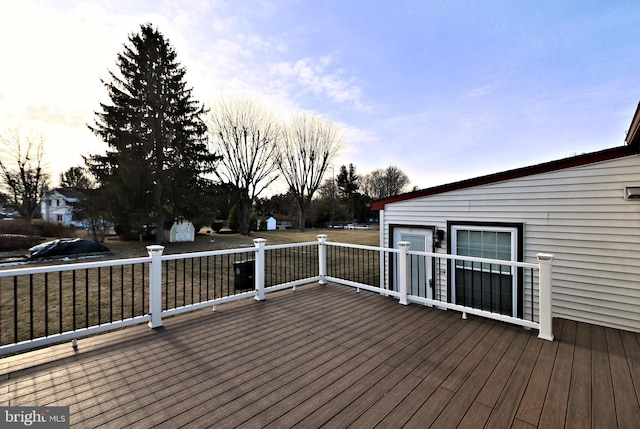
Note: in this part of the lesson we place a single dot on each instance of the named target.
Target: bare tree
(23, 175)
(385, 183)
(245, 134)
(308, 146)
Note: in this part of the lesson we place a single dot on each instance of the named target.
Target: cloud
(54, 114)
(313, 74)
(479, 91)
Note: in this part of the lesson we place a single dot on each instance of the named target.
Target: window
(482, 285)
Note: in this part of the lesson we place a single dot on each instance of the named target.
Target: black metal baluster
(73, 291)
(165, 272)
(184, 282)
(60, 309)
(199, 279)
(110, 294)
(99, 296)
(175, 283)
(15, 309)
(217, 276)
(532, 318)
(144, 288)
(192, 280)
(31, 306)
(133, 290)
(229, 267)
(86, 294)
(122, 292)
(207, 278)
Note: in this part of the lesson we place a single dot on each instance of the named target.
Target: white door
(419, 266)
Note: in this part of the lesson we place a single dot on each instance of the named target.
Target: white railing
(362, 267)
(41, 292)
(543, 267)
(538, 289)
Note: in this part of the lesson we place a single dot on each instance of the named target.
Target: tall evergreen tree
(157, 139)
(347, 183)
(75, 178)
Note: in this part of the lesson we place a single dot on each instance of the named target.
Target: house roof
(69, 193)
(632, 148)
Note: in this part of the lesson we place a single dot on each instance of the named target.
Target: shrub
(50, 229)
(233, 222)
(15, 226)
(217, 225)
(16, 242)
(128, 232)
(253, 222)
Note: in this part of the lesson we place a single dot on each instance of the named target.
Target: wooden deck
(328, 356)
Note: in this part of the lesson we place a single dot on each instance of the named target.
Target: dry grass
(129, 249)
(59, 302)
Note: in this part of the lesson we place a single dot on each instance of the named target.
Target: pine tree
(157, 139)
(347, 183)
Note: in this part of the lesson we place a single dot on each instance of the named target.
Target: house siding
(578, 214)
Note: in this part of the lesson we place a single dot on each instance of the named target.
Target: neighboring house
(57, 206)
(585, 210)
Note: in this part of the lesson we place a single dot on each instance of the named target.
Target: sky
(443, 90)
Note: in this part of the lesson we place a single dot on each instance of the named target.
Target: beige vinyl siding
(577, 214)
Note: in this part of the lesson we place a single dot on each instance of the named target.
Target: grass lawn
(43, 304)
(129, 249)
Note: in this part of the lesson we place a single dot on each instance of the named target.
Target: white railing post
(403, 268)
(155, 285)
(322, 258)
(546, 310)
(259, 268)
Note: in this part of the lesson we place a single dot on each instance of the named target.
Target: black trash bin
(244, 271)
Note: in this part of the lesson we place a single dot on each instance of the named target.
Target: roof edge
(561, 164)
(633, 137)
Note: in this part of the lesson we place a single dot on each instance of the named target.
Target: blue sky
(444, 90)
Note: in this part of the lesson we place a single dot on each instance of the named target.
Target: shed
(182, 230)
(584, 209)
(271, 224)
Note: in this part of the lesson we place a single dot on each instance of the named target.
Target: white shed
(585, 210)
(182, 230)
(271, 224)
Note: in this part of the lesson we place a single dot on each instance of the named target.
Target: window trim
(517, 236)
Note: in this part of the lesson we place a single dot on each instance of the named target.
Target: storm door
(419, 266)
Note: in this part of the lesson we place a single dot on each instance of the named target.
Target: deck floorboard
(326, 356)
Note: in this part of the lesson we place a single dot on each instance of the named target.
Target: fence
(50, 304)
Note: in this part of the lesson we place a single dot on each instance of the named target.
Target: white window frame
(514, 257)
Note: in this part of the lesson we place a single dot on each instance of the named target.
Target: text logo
(34, 417)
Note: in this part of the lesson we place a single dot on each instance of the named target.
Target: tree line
(169, 156)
